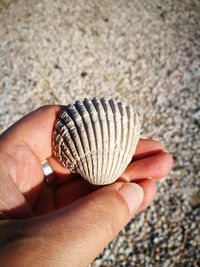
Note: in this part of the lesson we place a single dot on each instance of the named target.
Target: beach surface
(146, 53)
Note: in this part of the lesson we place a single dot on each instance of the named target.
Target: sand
(144, 52)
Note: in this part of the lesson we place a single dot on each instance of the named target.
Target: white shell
(96, 138)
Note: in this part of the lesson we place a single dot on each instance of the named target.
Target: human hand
(70, 224)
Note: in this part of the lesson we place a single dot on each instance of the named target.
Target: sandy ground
(144, 52)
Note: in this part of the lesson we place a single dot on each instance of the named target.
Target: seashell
(96, 138)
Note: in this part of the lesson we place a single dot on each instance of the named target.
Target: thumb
(77, 234)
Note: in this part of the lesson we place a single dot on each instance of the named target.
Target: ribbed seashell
(96, 138)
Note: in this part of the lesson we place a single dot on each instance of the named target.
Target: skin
(70, 224)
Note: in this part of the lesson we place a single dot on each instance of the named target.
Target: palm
(40, 197)
(25, 145)
(69, 187)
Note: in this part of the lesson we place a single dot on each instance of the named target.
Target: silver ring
(49, 175)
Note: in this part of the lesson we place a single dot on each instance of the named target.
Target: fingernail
(133, 195)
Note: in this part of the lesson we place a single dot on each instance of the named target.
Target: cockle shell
(96, 138)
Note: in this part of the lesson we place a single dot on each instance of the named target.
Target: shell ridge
(104, 135)
(61, 145)
(71, 166)
(70, 146)
(62, 137)
(129, 141)
(80, 124)
(123, 138)
(131, 138)
(134, 138)
(73, 144)
(136, 131)
(104, 105)
(90, 109)
(98, 134)
(77, 134)
(118, 155)
(99, 141)
(105, 143)
(88, 148)
(111, 140)
(117, 122)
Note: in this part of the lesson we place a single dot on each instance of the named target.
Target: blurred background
(144, 52)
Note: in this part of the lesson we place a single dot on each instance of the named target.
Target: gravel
(144, 52)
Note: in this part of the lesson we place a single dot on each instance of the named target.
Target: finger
(45, 201)
(156, 166)
(73, 190)
(86, 226)
(70, 192)
(34, 131)
(150, 190)
(147, 147)
(23, 146)
(62, 174)
(12, 202)
(77, 188)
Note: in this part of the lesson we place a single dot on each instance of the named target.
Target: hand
(71, 224)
